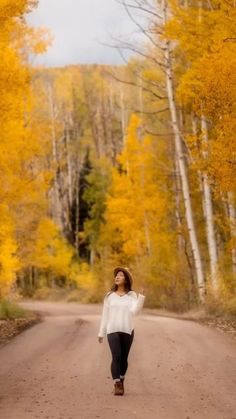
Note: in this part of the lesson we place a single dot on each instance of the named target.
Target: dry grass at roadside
(14, 319)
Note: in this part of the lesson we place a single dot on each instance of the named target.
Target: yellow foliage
(52, 252)
(9, 263)
(14, 8)
(84, 278)
(206, 84)
(25, 179)
(137, 204)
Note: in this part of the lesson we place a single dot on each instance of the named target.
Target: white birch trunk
(77, 205)
(182, 166)
(211, 239)
(232, 217)
(141, 98)
(123, 118)
(69, 179)
(56, 206)
(181, 242)
(69, 168)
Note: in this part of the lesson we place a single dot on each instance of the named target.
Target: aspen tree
(181, 161)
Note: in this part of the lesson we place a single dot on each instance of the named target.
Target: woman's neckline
(121, 295)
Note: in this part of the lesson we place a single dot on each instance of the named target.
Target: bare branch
(131, 83)
(158, 134)
(138, 6)
(150, 82)
(151, 112)
(139, 52)
(139, 26)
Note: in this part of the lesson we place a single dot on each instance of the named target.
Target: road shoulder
(12, 327)
(222, 324)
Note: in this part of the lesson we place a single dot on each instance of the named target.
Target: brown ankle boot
(118, 388)
(122, 382)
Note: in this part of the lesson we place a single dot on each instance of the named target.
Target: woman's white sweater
(118, 312)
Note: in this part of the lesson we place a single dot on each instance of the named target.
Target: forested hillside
(133, 165)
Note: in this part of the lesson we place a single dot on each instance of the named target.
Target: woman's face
(120, 278)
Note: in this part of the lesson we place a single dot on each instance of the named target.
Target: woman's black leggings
(120, 344)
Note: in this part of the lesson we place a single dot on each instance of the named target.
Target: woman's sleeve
(137, 303)
(103, 323)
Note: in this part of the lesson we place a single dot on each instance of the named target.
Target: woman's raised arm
(137, 303)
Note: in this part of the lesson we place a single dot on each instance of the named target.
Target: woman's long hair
(127, 284)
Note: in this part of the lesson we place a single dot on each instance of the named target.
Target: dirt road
(57, 370)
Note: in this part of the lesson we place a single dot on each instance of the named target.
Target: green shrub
(10, 310)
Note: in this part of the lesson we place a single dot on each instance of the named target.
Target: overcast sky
(78, 26)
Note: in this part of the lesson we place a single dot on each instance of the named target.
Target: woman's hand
(100, 339)
(142, 291)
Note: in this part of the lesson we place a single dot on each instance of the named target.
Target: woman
(119, 307)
